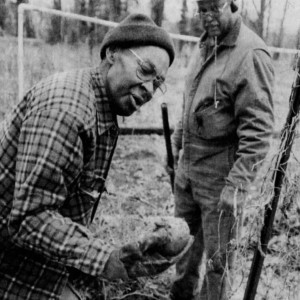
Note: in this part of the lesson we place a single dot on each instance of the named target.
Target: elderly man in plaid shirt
(55, 152)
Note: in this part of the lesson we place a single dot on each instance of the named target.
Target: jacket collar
(229, 40)
(105, 117)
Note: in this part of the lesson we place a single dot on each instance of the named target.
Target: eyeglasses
(146, 71)
(215, 10)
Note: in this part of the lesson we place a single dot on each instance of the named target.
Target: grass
(139, 185)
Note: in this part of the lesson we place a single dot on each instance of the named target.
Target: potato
(174, 231)
(121, 230)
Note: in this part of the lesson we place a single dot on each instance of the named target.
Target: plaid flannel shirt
(55, 152)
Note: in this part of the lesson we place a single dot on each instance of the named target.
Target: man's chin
(213, 33)
(123, 111)
(125, 107)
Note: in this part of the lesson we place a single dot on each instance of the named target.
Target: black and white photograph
(149, 150)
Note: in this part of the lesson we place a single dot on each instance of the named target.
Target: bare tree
(259, 24)
(242, 9)
(3, 14)
(183, 23)
(91, 26)
(279, 41)
(114, 6)
(267, 31)
(118, 9)
(298, 39)
(81, 8)
(157, 11)
(55, 34)
(9, 18)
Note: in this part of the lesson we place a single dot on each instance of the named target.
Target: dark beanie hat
(138, 30)
(233, 5)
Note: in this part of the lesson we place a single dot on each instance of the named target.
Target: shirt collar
(105, 117)
(229, 40)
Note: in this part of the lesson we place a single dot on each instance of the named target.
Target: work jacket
(227, 104)
(55, 152)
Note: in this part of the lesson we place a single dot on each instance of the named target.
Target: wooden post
(167, 134)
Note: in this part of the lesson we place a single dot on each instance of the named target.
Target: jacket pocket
(215, 122)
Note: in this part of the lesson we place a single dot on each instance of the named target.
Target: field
(138, 184)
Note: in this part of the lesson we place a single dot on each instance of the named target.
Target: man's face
(216, 16)
(129, 81)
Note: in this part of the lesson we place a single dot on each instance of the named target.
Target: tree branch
(256, 8)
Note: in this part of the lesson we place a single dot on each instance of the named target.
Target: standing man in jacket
(220, 142)
(55, 152)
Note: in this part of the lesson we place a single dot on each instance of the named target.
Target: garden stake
(287, 138)
(167, 134)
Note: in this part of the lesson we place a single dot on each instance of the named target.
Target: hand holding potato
(163, 243)
(167, 240)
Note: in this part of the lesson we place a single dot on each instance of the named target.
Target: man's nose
(148, 87)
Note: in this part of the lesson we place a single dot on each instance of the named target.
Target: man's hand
(232, 199)
(140, 259)
(152, 261)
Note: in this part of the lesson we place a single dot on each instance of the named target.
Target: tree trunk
(157, 11)
(91, 27)
(268, 20)
(261, 19)
(259, 24)
(281, 29)
(183, 24)
(80, 8)
(115, 9)
(55, 35)
(3, 14)
(298, 39)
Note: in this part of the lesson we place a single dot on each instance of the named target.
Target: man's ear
(110, 55)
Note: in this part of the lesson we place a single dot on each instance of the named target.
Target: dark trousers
(196, 202)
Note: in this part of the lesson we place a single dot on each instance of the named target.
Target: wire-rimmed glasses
(146, 71)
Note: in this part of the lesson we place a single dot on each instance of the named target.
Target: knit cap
(138, 30)
(233, 5)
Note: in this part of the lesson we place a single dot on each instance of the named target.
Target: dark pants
(196, 202)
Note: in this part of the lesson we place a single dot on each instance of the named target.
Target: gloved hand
(140, 259)
(152, 261)
(232, 199)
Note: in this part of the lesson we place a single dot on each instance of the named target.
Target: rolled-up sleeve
(253, 110)
(50, 157)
